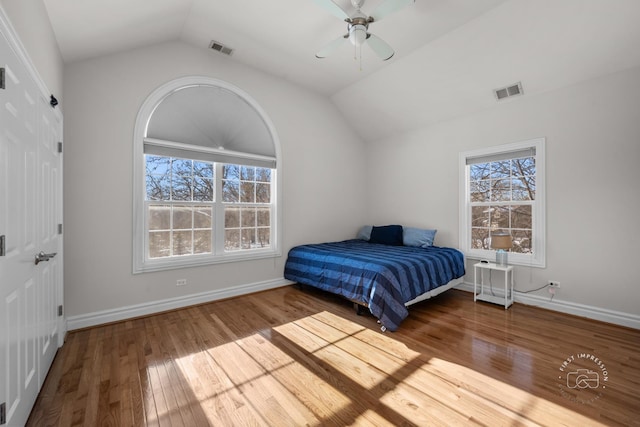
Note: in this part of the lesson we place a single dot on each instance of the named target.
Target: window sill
(199, 261)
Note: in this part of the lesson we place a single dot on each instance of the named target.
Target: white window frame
(538, 256)
(141, 262)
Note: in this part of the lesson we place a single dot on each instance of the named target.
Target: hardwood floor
(302, 357)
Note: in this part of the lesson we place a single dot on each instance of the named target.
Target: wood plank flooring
(294, 357)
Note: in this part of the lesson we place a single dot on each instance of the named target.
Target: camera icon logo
(583, 378)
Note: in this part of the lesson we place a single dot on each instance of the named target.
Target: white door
(30, 210)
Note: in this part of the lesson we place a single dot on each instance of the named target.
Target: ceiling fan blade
(331, 47)
(380, 47)
(333, 8)
(387, 7)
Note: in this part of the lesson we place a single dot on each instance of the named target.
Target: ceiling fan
(358, 26)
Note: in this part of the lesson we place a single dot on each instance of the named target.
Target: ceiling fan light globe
(357, 35)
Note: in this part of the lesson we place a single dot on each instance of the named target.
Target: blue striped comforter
(384, 277)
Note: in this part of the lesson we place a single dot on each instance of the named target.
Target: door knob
(44, 257)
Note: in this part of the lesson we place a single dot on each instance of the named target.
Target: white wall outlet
(181, 282)
(553, 284)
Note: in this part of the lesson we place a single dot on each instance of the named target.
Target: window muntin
(502, 189)
(180, 207)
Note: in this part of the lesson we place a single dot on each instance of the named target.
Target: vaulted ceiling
(450, 54)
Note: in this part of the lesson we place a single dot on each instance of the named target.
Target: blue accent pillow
(364, 233)
(418, 237)
(387, 235)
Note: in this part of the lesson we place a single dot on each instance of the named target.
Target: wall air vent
(509, 91)
(219, 47)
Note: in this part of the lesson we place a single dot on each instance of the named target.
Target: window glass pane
(479, 238)
(248, 192)
(230, 191)
(203, 189)
(263, 193)
(182, 242)
(521, 241)
(524, 166)
(158, 187)
(157, 165)
(181, 189)
(232, 240)
(479, 171)
(501, 190)
(524, 188)
(264, 217)
(159, 244)
(480, 191)
(182, 217)
(159, 217)
(202, 241)
(202, 218)
(203, 169)
(500, 217)
(263, 175)
(521, 216)
(231, 172)
(231, 217)
(248, 216)
(264, 237)
(480, 216)
(500, 169)
(248, 238)
(181, 167)
(248, 173)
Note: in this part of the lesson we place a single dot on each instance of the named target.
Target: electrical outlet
(181, 282)
(553, 284)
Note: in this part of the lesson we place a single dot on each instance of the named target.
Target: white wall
(593, 183)
(323, 174)
(30, 20)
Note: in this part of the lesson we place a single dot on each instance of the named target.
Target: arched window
(206, 162)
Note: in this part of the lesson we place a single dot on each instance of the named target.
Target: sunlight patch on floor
(299, 370)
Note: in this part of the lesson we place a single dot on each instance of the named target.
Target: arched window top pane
(212, 117)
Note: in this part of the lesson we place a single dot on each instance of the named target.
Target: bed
(385, 278)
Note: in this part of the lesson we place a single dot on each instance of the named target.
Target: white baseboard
(123, 313)
(591, 312)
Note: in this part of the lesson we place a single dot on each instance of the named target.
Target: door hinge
(59, 147)
(59, 228)
(3, 413)
(60, 310)
(2, 78)
(3, 248)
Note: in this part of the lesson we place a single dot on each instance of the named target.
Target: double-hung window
(502, 190)
(182, 207)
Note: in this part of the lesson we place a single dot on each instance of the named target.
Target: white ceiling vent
(509, 91)
(220, 47)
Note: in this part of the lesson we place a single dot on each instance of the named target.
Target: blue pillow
(418, 237)
(387, 235)
(364, 233)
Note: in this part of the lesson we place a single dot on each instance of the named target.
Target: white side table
(480, 268)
